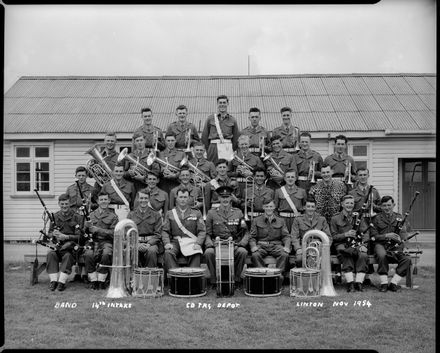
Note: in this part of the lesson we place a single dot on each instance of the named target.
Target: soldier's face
(110, 142)
(182, 199)
(152, 181)
(387, 207)
(222, 169)
(103, 201)
(276, 145)
(326, 173)
(118, 173)
(348, 205)
(290, 178)
(304, 143)
(259, 178)
(81, 176)
(147, 117)
(185, 176)
(340, 146)
(286, 117)
(222, 105)
(254, 118)
(139, 143)
(225, 200)
(181, 115)
(64, 206)
(143, 200)
(269, 208)
(310, 208)
(199, 151)
(362, 176)
(170, 142)
(243, 145)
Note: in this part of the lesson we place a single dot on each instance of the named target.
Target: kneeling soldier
(101, 226)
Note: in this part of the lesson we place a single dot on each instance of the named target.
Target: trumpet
(274, 169)
(244, 166)
(153, 158)
(347, 174)
(97, 166)
(249, 179)
(198, 181)
(188, 141)
(297, 135)
(311, 175)
(138, 167)
(261, 145)
(372, 213)
(197, 173)
(155, 141)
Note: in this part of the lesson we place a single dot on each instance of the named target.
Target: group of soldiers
(265, 197)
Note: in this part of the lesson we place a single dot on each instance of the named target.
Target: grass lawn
(394, 322)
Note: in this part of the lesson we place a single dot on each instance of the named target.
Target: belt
(145, 237)
(255, 214)
(302, 178)
(286, 214)
(268, 242)
(215, 205)
(219, 141)
(339, 178)
(116, 206)
(289, 149)
(254, 149)
(241, 179)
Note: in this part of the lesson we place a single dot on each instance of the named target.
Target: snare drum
(147, 282)
(262, 282)
(224, 256)
(187, 282)
(305, 282)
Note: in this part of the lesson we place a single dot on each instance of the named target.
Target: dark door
(419, 175)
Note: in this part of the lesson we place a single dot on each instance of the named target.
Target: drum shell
(187, 282)
(262, 282)
(224, 255)
(305, 282)
(152, 279)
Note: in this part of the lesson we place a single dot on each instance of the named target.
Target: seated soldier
(65, 232)
(101, 226)
(257, 194)
(309, 220)
(269, 237)
(384, 231)
(354, 258)
(183, 233)
(75, 199)
(226, 222)
(149, 224)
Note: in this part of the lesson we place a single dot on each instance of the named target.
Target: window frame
(367, 158)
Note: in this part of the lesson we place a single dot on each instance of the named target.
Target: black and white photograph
(253, 176)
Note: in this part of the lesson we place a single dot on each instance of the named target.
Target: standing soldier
(101, 226)
(360, 192)
(183, 129)
(149, 224)
(75, 200)
(222, 179)
(151, 133)
(66, 230)
(256, 132)
(289, 134)
(308, 162)
(201, 163)
(173, 158)
(220, 128)
(159, 199)
(226, 222)
(257, 195)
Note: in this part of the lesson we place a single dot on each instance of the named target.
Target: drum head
(187, 271)
(262, 271)
(303, 270)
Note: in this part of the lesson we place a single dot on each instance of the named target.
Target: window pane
(23, 167)
(23, 187)
(41, 151)
(431, 172)
(44, 187)
(23, 152)
(360, 151)
(42, 167)
(24, 177)
(42, 177)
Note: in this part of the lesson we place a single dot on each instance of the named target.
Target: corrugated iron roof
(357, 102)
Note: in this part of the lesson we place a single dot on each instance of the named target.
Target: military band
(184, 197)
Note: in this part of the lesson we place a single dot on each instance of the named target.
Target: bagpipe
(44, 237)
(84, 232)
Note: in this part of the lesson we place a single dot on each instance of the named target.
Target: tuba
(316, 255)
(138, 167)
(97, 166)
(125, 258)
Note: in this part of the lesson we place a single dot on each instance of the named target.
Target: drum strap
(289, 200)
(219, 130)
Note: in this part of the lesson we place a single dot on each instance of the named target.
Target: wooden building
(49, 123)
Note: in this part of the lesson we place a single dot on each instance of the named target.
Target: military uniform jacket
(195, 194)
(142, 158)
(69, 224)
(148, 135)
(181, 133)
(223, 182)
(127, 190)
(288, 136)
(251, 159)
(303, 223)
(343, 222)
(328, 197)
(384, 223)
(225, 224)
(229, 128)
(260, 196)
(149, 224)
(106, 222)
(205, 166)
(298, 196)
(255, 134)
(191, 219)
(174, 157)
(111, 158)
(283, 159)
(303, 159)
(74, 195)
(159, 200)
(339, 163)
(274, 231)
(360, 195)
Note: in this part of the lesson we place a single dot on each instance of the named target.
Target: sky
(393, 36)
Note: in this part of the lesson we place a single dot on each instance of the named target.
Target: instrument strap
(181, 226)
(288, 199)
(119, 192)
(219, 131)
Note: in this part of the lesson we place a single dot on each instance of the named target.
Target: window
(32, 168)
(360, 154)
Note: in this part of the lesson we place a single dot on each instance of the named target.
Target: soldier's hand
(93, 229)
(393, 236)
(286, 250)
(56, 233)
(143, 247)
(299, 252)
(87, 224)
(363, 248)
(139, 177)
(350, 234)
(169, 246)
(196, 247)
(255, 248)
(132, 173)
(62, 237)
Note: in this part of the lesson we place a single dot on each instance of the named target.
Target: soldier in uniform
(150, 131)
(255, 132)
(309, 220)
(307, 160)
(269, 237)
(290, 195)
(360, 191)
(159, 199)
(239, 170)
(228, 126)
(383, 232)
(66, 230)
(121, 205)
(75, 200)
(222, 179)
(184, 222)
(276, 160)
(226, 222)
(169, 175)
(340, 161)
(287, 131)
(201, 163)
(149, 224)
(182, 128)
(354, 258)
(101, 226)
(257, 195)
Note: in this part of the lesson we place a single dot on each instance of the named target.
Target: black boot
(383, 288)
(53, 285)
(350, 287)
(94, 285)
(61, 286)
(358, 287)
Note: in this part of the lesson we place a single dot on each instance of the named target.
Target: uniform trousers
(240, 254)
(102, 254)
(54, 258)
(170, 257)
(351, 259)
(275, 250)
(289, 222)
(384, 258)
(149, 257)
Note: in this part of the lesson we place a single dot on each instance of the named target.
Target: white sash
(224, 148)
(186, 244)
(289, 201)
(219, 131)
